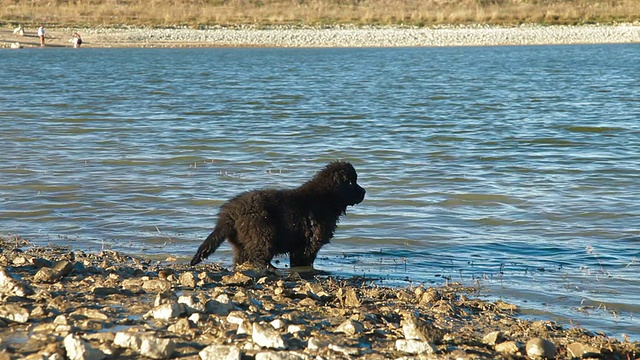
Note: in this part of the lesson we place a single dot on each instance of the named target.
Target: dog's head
(341, 179)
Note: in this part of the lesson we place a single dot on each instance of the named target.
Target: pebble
(507, 347)
(265, 335)
(578, 350)
(272, 355)
(145, 344)
(350, 327)
(493, 338)
(415, 346)
(12, 285)
(46, 275)
(167, 311)
(79, 349)
(14, 313)
(540, 348)
(220, 352)
(156, 286)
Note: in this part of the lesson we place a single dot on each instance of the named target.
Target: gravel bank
(374, 37)
(57, 303)
(342, 36)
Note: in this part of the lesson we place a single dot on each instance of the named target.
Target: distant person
(77, 40)
(41, 35)
(19, 30)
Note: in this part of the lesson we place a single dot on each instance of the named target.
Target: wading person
(41, 35)
(77, 40)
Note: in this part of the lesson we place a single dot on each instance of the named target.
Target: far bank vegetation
(200, 13)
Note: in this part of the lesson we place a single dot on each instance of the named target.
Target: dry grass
(196, 13)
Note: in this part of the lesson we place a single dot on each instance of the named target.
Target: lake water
(516, 169)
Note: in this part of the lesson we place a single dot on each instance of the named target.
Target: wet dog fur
(261, 224)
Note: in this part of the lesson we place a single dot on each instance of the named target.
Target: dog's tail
(212, 242)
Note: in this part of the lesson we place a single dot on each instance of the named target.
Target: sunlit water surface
(516, 169)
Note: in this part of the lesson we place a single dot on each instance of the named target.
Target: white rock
(540, 348)
(350, 327)
(195, 318)
(12, 285)
(220, 352)
(246, 327)
(266, 336)
(167, 311)
(293, 328)
(191, 303)
(277, 324)
(415, 346)
(282, 355)
(145, 344)
(78, 349)
(15, 313)
(236, 317)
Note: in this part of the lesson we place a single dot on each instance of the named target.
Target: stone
(40, 262)
(12, 285)
(14, 313)
(507, 347)
(90, 314)
(350, 327)
(187, 279)
(429, 296)
(236, 317)
(351, 299)
(63, 267)
(182, 326)
(192, 304)
(413, 346)
(266, 336)
(145, 344)
(540, 348)
(156, 286)
(277, 324)
(20, 261)
(245, 327)
(293, 329)
(196, 318)
(281, 355)
(218, 308)
(46, 275)
(579, 350)
(220, 352)
(61, 320)
(493, 338)
(415, 328)
(237, 278)
(79, 349)
(104, 291)
(167, 311)
(344, 349)
(132, 284)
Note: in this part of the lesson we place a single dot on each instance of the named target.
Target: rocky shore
(338, 36)
(58, 303)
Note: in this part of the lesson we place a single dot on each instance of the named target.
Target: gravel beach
(332, 36)
(60, 303)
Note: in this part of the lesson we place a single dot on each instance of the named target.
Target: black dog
(263, 223)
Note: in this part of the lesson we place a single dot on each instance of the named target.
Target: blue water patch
(514, 169)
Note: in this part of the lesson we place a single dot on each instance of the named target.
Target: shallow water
(515, 169)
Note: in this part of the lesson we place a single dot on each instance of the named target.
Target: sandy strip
(332, 37)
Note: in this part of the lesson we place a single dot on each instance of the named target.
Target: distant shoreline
(342, 36)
